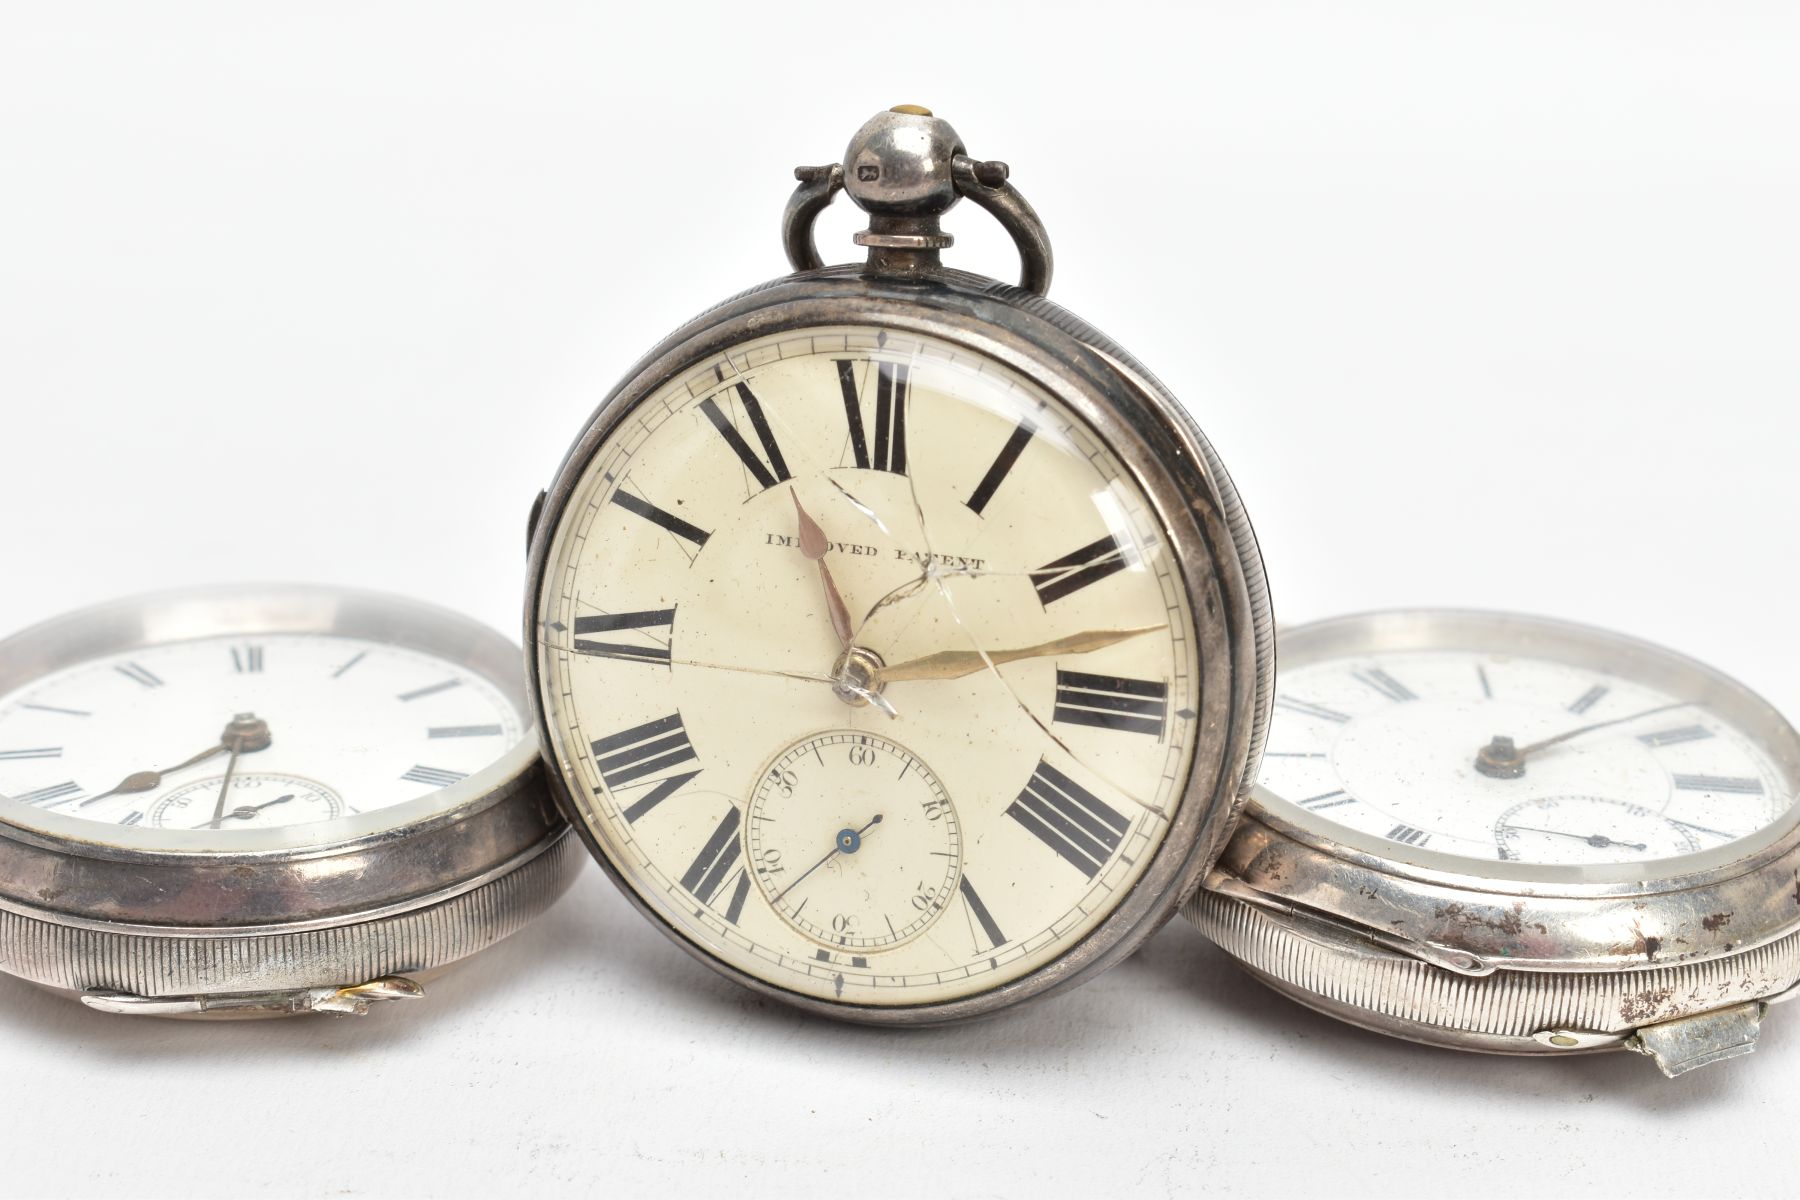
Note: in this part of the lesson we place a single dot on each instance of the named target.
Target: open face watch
(1505, 833)
(901, 648)
(265, 800)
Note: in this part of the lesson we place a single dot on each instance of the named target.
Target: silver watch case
(1156, 440)
(1546, 960)
(141, 924)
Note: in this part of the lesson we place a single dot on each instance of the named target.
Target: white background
(1484, 304)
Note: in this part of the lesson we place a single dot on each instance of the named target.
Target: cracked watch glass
(948, 796)
(901, 647)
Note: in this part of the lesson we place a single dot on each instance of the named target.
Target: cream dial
(1016, 622)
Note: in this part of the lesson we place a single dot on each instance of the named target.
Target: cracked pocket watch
(1505, 833)
(265, 800)
(901, 647)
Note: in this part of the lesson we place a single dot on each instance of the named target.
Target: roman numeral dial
(871, 663)
(1518, 740)
(325, 725)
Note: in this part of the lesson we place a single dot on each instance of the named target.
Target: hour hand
(954, 664)
(814, 545)
(145, 781)
(245, 734)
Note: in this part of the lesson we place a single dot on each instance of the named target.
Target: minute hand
(954, 664)
(1528, 751)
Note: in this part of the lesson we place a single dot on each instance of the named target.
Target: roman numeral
(1001, 466)
(1069, 574)
(1386, 684)
(138, 674)
(1328, 800)
(657, 516)
(1590, 698)
(131, 818)
(56, 791)
(706, 875)
(1737, 785)
(893, 384)
(979, 915)
(51, 708)
(1671, 737)
(247, 660)
(661, 618)
(626, 758)
(1111, 702)
(768, 470)
(1407, 835)
(39, 752)
(430, 689)
(1307, 708)
(433, 776)
(1069, 819)
(351, 662)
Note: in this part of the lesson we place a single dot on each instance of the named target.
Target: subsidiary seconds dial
(853, 840)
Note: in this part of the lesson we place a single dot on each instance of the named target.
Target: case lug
(1681, 1045)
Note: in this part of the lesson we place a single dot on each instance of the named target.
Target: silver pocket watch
(900, 647)
(1505, 833)
(266, 800)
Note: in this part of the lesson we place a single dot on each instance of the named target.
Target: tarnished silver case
(1149, 432)
(1546, 961)
(132, 925)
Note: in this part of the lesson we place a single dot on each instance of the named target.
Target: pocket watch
(265, 800)
(900, 646)
(1506, 833)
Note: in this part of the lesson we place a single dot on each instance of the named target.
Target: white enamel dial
(228, 735)
(1516, 750)
(687, 643)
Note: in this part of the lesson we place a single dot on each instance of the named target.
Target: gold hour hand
(954, 664)
(245, 734)
(145, 781)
